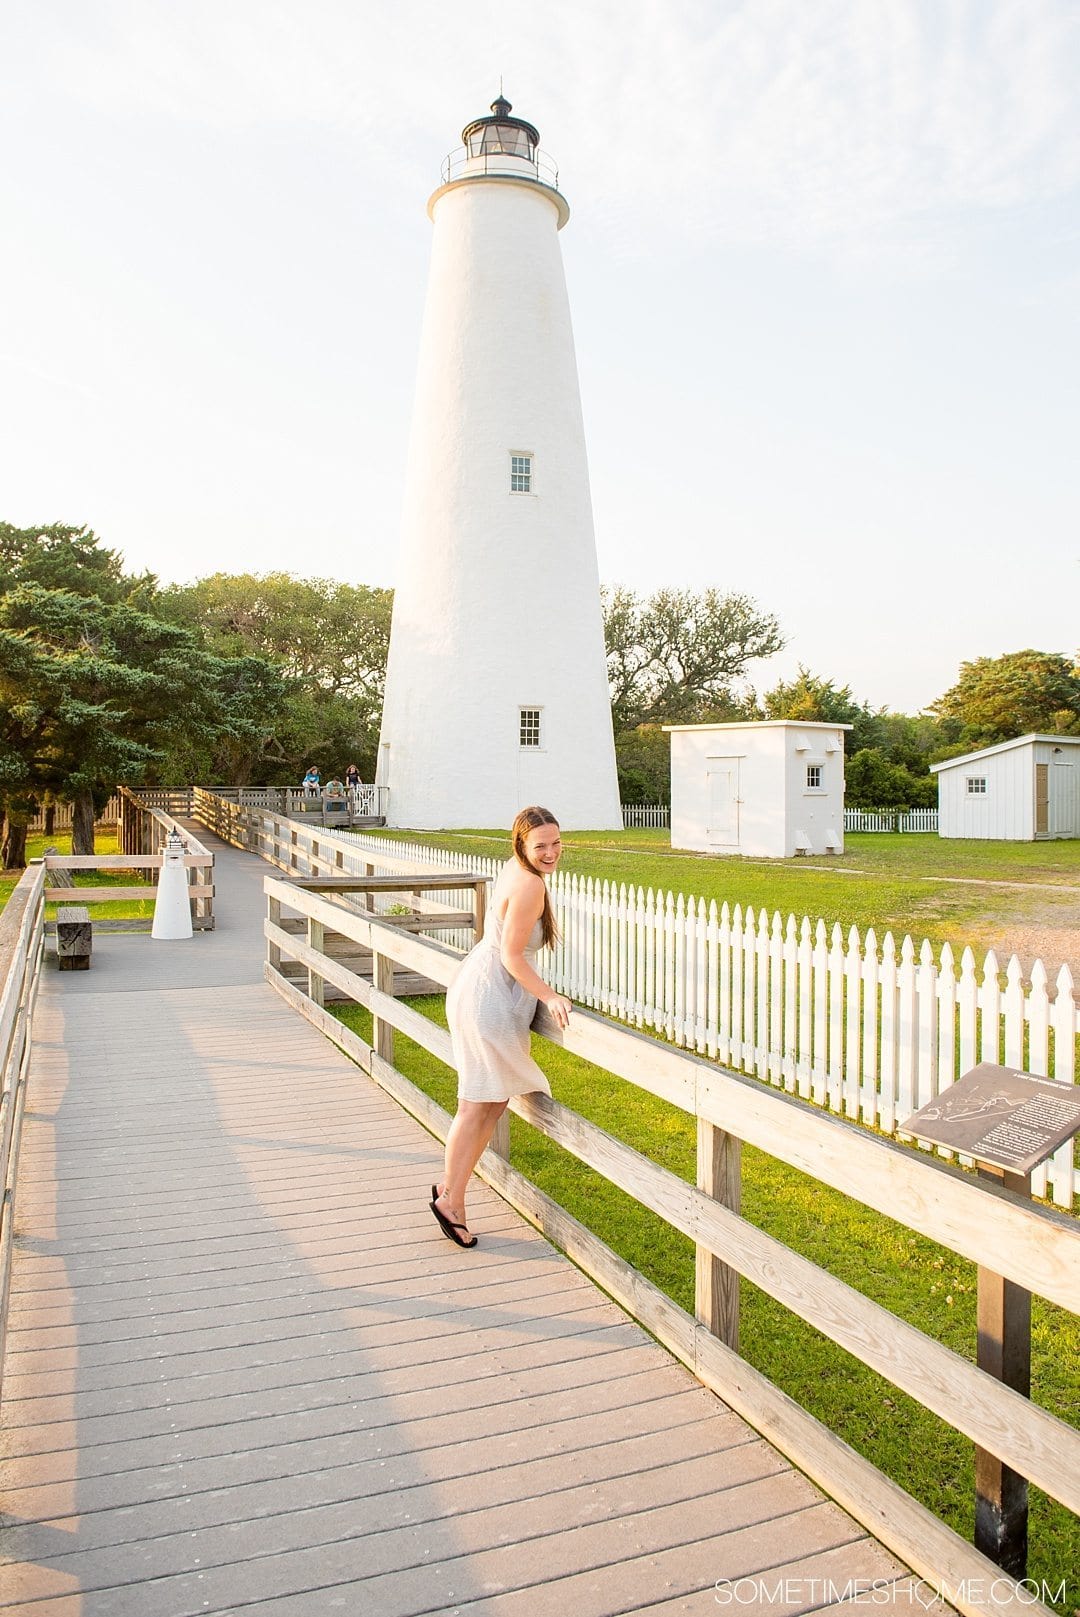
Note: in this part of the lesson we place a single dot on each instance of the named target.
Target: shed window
(814, 780)
(976, 785)
(521, 474)
(529, 727)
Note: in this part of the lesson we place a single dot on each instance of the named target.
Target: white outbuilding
(770, 789)
(1019, 791)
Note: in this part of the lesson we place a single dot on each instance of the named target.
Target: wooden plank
(105, 895)
(122, 861)
(20, 922)
(1036, 1443)
(422, 883)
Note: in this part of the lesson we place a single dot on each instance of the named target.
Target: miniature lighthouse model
(496, 686)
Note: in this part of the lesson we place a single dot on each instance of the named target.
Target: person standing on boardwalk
(490, 1007)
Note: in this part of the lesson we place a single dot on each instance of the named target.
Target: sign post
(1008, 1122)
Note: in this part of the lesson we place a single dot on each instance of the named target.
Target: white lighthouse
(496, 686)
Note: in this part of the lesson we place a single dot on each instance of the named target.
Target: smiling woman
(490, 1008)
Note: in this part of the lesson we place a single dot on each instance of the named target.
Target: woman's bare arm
(524, 908)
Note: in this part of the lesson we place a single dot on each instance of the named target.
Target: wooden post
(273, 950)
(1004, 1351)
(316, 935)
(719, 1174)
(500, 1139)
(479, 910)
(382, 978)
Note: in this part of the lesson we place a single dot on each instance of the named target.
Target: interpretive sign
(1000, 1116)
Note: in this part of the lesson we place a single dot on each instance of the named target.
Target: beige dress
(489, 1014)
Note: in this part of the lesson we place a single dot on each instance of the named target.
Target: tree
(817, 700)
(61, 557)
(317, 631)
(998, 698)
(95, 693)
(678, 656)
(643, 757)
(329, 641)
(872, 782)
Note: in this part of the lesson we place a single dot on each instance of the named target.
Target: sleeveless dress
(489, 1014)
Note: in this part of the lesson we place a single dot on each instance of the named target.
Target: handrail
(1036, 1246)
(305, 850)
(22, 938)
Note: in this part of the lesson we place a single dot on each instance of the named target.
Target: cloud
(843, 128)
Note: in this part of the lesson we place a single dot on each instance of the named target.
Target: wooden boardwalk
(246, 1373)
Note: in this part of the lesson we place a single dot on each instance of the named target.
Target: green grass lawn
(104, 843)
(921, 1282)
(903, 884)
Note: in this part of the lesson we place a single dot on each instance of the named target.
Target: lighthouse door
(722, 825)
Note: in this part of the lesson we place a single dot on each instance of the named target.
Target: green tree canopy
(817, 700)
(95, 693)
(330, 642)
(872, 782)
(317, 631)
(999, 698)
(678, 656)
(60, 557)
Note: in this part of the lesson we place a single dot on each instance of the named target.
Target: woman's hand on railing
(558, 1008)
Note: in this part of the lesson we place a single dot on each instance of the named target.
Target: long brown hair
(528, 819)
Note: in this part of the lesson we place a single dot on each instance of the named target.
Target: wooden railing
(141, 831)
(1033, 1246)
(305, 850)
(22, 933)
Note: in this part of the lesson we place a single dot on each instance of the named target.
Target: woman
(490, 1007)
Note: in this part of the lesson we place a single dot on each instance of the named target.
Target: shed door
(722, 826)
(1042, 800)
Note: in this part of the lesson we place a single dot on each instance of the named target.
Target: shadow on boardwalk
(245, 1372)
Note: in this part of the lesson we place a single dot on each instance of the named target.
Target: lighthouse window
(521, 474)
(529, 727)
(814, 781)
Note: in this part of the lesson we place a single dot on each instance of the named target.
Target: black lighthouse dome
(500, 133)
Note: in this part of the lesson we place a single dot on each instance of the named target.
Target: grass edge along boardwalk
(244, 1370)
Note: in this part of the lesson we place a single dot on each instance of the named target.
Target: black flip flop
(449, 1228)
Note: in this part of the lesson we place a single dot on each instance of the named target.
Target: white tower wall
(497, 604)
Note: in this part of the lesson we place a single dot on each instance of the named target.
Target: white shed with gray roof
(1025, 790)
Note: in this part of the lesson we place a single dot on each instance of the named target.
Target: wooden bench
(74, 935)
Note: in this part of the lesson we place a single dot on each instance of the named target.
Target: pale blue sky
(823, 260)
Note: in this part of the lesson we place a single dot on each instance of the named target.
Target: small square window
(815, 777)
(976, 785)
(529, 727)
(521, 474)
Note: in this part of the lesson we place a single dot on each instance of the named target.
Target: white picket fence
(869, 1031)
(925, 819)
(655, 815)
(922, 819)
(62, 816)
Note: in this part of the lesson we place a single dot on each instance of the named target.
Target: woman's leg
(468, 1139)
